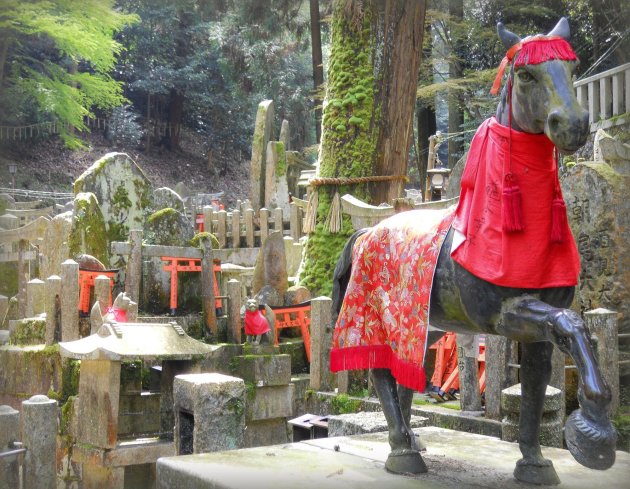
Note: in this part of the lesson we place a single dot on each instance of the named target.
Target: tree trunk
(318, 67)
(427, 126)
(367, 117)
(175, 115)
(402, 27)
(455, 108)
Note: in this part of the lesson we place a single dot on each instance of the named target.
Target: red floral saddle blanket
(384, 318)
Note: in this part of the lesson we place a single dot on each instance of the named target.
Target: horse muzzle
(568, 131)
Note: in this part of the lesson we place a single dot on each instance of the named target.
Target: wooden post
(249, 227)
(264, 224)
(222, 228)
(321, 339)
(236, 228)
(133, 274)
(234, 313)
(207, 289)
(295, 220)
(208, 216)
(603, 326)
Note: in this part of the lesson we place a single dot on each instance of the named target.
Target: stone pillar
(102, 292)
(9, 432)
(53, 309)
(467, 353)
(132, 312)
(35, 298)
(69, 300)
(276, 184)
(603, 326)
(209, 413)
(500, 352)
(208, 212)
(234, 314)
(23, 277)
(133, 275)
(263, 129)
(207, 290)
(39, 436)
(321, 379)
(99, 391)
(285, 134)
(550, 424)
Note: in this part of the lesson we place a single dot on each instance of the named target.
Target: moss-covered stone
(123, 190)
(29, 331)
(195, 242)
(88, 234)
(168, 227)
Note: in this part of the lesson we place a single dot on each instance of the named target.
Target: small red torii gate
(174, 265)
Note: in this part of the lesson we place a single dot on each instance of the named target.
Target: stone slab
(364, 422)
(456, 460)
(266, 432)
(270, 402)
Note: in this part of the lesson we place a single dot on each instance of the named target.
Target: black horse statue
(537, 99)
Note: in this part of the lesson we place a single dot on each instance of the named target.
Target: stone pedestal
(39, 435)
(210, 413)
(364, 422)
(552, 417)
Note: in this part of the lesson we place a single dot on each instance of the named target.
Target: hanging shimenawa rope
(334, 218)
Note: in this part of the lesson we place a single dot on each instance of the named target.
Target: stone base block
(267, 432)
(364, 422)
(209, 412)
(269, 403)
(263, 370)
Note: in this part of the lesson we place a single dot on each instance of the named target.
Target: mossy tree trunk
(367, 119)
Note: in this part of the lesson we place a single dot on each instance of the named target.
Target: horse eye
(525, 76)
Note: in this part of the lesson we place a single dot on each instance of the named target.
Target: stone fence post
(321, 338)
(53, 309)
(602, 324)
(207, 290)
(9, 432)
(235, 301)
(133, 274)
(39, 436)
(35, 297)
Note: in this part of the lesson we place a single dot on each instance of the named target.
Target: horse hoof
(591, 444)
(405, 462)
(540, 472)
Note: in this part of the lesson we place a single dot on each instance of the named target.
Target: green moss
(9, 282)
(281, 167)
(195, 242)
(67, 411)
(344, 404)
(70, 373)
(29, 331)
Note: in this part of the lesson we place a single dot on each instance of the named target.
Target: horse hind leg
(404, 457)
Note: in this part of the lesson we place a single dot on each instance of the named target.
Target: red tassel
(558, 219)
(512, 205)
(540, 49)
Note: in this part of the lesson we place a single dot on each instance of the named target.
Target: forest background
(178, 81)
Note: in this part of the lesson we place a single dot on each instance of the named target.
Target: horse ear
(508, 38)
(561, 29)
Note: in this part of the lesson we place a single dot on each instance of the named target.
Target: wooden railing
(606, 96)
(237, 230)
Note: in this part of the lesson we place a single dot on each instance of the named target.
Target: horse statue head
(538, 96)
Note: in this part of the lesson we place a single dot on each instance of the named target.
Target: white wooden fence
(607, 97)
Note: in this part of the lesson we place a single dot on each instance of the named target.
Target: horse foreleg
(404, 457)
(405, 398)
(535, 374)
(590, 436)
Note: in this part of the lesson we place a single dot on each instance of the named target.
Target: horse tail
(341, 275)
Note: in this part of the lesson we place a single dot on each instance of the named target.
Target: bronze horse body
(542, 101)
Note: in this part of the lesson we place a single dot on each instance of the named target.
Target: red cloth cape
(255, 323)
(384, 317)
(524, 259)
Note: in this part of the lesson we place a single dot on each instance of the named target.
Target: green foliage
(196, 240)
(60, 53)
(344, 404)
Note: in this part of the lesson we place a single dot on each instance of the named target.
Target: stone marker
(271, 267)
(263, 130)
(209, 412)
(602, 325)
(133, 274)
(285, 134)
(53, 309)
(55, 249)
(69, 300)
(321, 378)
(234, 313)
(102, 291)
(39, 435)
(276, 185)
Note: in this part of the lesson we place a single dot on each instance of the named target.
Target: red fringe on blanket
(378, 356)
